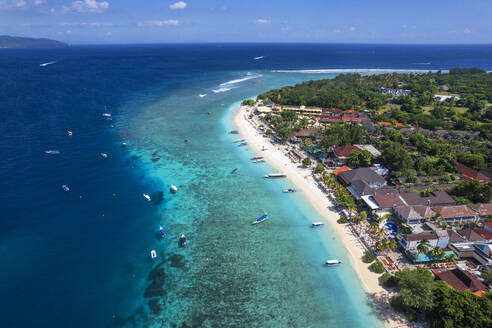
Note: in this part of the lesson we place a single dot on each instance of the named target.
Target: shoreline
(303, 180)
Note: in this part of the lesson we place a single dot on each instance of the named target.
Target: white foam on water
(249, 76)
(259, 57)
(355, 70)
(202, 95)
(48, 63)
(223, 89)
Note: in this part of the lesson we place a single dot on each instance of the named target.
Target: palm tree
(423, 246)
(452, 258)
(437, 253)
(392, 244)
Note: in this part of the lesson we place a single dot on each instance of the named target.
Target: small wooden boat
(260, 161)
(275, 175)
(317, 224)
(233, 132)
(123, 144)
(257, 157)
(154, 153)
(243, 144)
(239, 140)
(69, 133)
(261, 219)
(52, 152)
(235, 170)
(333, 262)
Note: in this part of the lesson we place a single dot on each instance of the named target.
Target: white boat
(147, 197)
(123, 144)
(260, 161)
(261, 219)
(289, 190)
(317, 224)
(173, 189)
(275, 175)
(153, 254)
(239, 140)
(52, 152)
(333, 262)
(104, 155)
(46, 64)
(106, 114)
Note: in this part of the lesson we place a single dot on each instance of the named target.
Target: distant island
(17, 42)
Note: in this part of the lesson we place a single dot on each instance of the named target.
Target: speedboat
(147, 197)
(153, 254)
(123, 144)
(239, 140)
(243, 144)
(317, 224)
(233, 132)
(260, 219)
(260, 161)
(275, 175)
(52, 152)
(173, 189)
(182, 241)
(107, 114)
(257, 157)
(235, 170)
(69, 133)
(163, 232)
(154, 153)
(65, 187)
(104, 155)
(289, 190)
(333, 262)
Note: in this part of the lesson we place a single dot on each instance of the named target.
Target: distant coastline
(17, 42)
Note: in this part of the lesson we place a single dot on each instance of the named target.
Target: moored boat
(182, 241)
(260, 161)
(173, 189)
(155, 159)
(257, 157)
(163, 231)
(52, 152)
(153, 254)
(333, 262)
(235, 170)
(262, 218)
(65, 188)
(123, 144)
(69, 133)
(239, 140)
(317, 224)
(243, 144)
(275, 175)
(147, 197)
(106, 114)
(233, 132)
(289, 190)
(104, 155)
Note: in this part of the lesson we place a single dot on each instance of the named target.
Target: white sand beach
(275, 155)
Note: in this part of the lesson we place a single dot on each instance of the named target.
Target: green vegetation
(388, 281)
(473, 191)
(360, 158)
(342, 195)
(248, 102)
(319, 168)
(21, 42)
(420, 296)
(306, 161)
(368, 257)
(377, 267)
(342, 220)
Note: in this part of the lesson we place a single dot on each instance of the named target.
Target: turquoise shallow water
(232, 273)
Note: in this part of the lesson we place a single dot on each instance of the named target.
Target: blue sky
(152, 21)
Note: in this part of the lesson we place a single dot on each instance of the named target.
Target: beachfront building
(263, 110)
(456, 213)
(342, 154)
(362, 181)
(483, 210)
(409, 242)
(415, 214)
(436, 198)
(371, 149)
(304, 110)
(382, 205)
(461, 280)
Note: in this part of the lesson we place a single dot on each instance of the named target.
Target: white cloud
(12, 4)
(352, 28)
(108, 33)
(38, 2)
(178, 5)
(262, 21)
(90, 6)
(467, 30)
(160, 23)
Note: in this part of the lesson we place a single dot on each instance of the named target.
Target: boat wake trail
(249, 76)
(259, 57)
(48, 63)
(223, 89)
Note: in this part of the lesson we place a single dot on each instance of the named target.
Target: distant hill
(20, 42)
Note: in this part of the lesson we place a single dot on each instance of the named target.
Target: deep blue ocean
(82, 258)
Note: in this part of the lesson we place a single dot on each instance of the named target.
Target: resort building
(361, 181)
(263, 110)
(304, 133)
(382, 204)
(436, 198)
(469, 173)
(370, 148)
(461, 280)
(488, 226)
(342, 154)
(456, 213)
(304, 110)
(483, 210)
(411, 241)
(412, 215)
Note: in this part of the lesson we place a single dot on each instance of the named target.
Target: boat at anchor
(333, 262)
(261, 219)
(275, 175)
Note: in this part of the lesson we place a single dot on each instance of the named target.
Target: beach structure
(456, 213)
(409, 242)
(382, 204)
(415, 214)
(361, 181)
(303, 110)
(435, 198)
(263, 110)
(342, 154)
(461, 280)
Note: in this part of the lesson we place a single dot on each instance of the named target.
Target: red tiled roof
(487, 235)
(387, 201)
(385, 123)
(489, 224)
(351, 111)
(456, 211)
(421, 236)
(400, 125)
(482, 209)
(469, 173)
(461, 280)
(331, 117)
(354, 119)
(345, 150)
(304, 133)
(342, 169)
(332, 110)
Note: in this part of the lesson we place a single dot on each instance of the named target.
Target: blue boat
(65, 187)
(163, 232)
(317, 224)
(242, 144)
(235, 170)
(260, 219)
